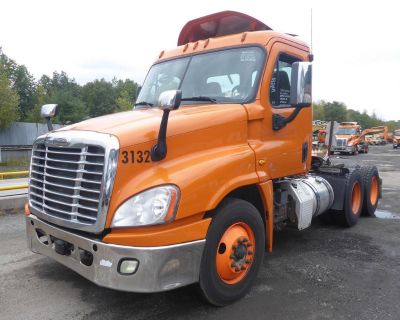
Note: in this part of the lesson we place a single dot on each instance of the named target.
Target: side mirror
(49, 111)
(170, 100)
(301, 82)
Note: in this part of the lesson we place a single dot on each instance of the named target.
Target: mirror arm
(159, 150)
(279, 122)
(49, 124)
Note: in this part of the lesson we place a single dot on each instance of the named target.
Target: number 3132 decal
(137, 156)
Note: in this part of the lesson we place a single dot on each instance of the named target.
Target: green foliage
(337, 111)
(21, 81)
(75, 102)
(99, 97)
(8, 100)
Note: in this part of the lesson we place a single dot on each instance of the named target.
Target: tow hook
(63, 247)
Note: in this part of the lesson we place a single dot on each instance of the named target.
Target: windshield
(346, 131)
(397, 133)
(228, 76)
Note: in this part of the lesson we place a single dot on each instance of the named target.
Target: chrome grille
(66, 182)
(341, 142)
(71, 178)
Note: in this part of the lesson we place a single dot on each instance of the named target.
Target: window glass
(346, 131)
(279, 90)
(228, 76)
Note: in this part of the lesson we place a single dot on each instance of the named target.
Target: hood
(142, 125)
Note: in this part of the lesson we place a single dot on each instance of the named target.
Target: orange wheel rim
(235, 253)
(373, 195)
(356, 197)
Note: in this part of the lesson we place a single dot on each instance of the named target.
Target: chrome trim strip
(73, 162)
(69, 170)
(80, 139)
(67, 213)
(65, 178)
(64, 194)
(64, 186)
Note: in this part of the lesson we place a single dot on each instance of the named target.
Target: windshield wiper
(200, 98)
(143, 103)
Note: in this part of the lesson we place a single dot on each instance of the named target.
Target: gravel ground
(324, 272)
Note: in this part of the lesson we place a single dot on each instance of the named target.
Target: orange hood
(142, 125)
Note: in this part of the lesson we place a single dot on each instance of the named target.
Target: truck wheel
(370, 177)
(353, 201)
(233, 252)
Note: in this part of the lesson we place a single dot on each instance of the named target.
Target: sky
(355, 43)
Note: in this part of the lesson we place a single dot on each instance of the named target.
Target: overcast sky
(355, 43)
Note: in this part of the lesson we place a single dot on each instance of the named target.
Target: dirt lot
(324, 272)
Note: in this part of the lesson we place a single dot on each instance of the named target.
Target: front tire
(233, 252)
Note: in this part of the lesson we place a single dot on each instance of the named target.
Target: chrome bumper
(160, 268)
(341, 149)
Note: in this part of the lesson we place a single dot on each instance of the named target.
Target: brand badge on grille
(56, 142)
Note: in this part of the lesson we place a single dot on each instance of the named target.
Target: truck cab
(348, 138)
(189, 185)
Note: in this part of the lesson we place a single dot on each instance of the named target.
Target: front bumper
(160, 268)
(341, 149)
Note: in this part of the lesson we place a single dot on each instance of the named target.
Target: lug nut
(247, 261)
(237, 269)
(242, 268)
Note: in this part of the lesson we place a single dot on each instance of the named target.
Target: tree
(126, 93)
(318, 110)
(8, 101)
(40, 98)
(22, 82)
(334, 111)
(99, 97)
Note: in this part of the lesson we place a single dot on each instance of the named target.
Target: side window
(279, 89)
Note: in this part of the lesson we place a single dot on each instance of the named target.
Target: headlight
(154, 206)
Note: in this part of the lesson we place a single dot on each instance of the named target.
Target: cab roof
(222, 30)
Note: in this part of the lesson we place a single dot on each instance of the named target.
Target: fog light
(128, 266)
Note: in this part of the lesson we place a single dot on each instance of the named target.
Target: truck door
(287, 151)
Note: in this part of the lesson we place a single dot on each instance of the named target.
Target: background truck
(189, 186)
(396, 138)
(349, 139)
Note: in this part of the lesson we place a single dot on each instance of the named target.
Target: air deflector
(217, 25)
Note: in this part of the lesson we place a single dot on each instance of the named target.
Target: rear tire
(233, 252)
(370, 176)
(353, 202)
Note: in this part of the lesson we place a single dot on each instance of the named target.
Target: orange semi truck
(189, 185)
(349, 139)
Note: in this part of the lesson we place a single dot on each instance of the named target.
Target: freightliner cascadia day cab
(189, 186)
